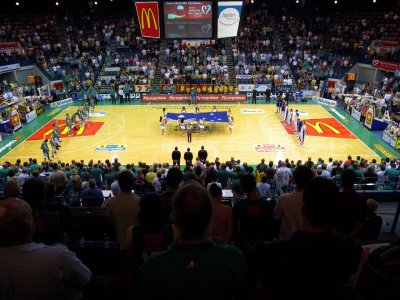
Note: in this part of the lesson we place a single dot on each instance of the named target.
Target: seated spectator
(314, 263)
(193, 267)
(221, 220)
(51, 225)
(373, 223)
(92, 196)
(289, 207)
(35, 271)
(152, 235)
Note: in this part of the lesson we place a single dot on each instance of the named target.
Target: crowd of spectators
(185, 210)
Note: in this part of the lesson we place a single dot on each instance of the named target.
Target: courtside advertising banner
(149, 20)
(229, 18)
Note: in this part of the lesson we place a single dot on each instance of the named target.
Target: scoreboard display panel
(188, 19)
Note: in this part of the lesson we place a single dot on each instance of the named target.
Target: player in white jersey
(289, 118)
(303, 132)
(296, 117)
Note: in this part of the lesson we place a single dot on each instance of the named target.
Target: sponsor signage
(269, 148)
(228, 18)
(149, 20)
(110, 148)
(390, 66)
(9, 68)
(7, 146)
(200, 98)
(39, 110)
(30, 116)
(90, 128)
(252, 111)
(390, 139)
(260, 87)
(141, 88)
(324, 101)
(283, 88)
(369, 117)
(246, 87)
(244, 76)
(356, 114)
(61, 102)
(9, 46)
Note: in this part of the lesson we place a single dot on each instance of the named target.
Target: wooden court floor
(133, 134)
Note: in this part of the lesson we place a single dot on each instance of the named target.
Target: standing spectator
(353, 209)
(188, 157)
(152, 235)
(289, 207)
(221, 220)
(176, 157)
(193, 267)
(59, 179)
(263, 188)
(123, 209)
(35, 271)
(252, 224)
(314, 263)
(202, 154)
(173, 180)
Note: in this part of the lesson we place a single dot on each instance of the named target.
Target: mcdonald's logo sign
(325, 127)
(91, 128)
(149, 19)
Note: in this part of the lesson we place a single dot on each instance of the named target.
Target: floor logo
(91, 128)
(269, 148)
(326, 127)
(110, 148)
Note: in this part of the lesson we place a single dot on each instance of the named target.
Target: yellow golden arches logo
(65, 130)
(317, 127)
(147, 12)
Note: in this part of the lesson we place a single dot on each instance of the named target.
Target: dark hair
(321, 202)
(192, 210)
(348, 178)
(125, 181)
(215, 190)
(248, 182)
(151, 211)
(34, 192)
(174, 178)
(302, 175)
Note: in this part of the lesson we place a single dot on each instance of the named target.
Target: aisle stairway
(161, 63)
(229, 62)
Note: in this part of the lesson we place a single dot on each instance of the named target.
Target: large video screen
(188, 19)
(229, 18)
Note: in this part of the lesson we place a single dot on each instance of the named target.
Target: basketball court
(132, 133)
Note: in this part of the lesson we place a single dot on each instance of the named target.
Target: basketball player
(289, 118)
(201, 126)
(197, 110)
(295, 118)
(56, 132)
(285, 111)
(303, 132)
(230, 125)
(45, 149)
(182, 126)
(53, 144)
(214, 109)
(68, 124)
(183, 109)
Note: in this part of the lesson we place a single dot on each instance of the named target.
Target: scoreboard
(188, 19)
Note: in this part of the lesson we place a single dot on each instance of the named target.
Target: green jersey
(45, 148)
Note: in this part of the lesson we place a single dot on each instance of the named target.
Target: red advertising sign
(149, 20)
(385, 65)
(9, 45)
(325, 127)
(141, 88)
(200, 98)
(389, 44)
